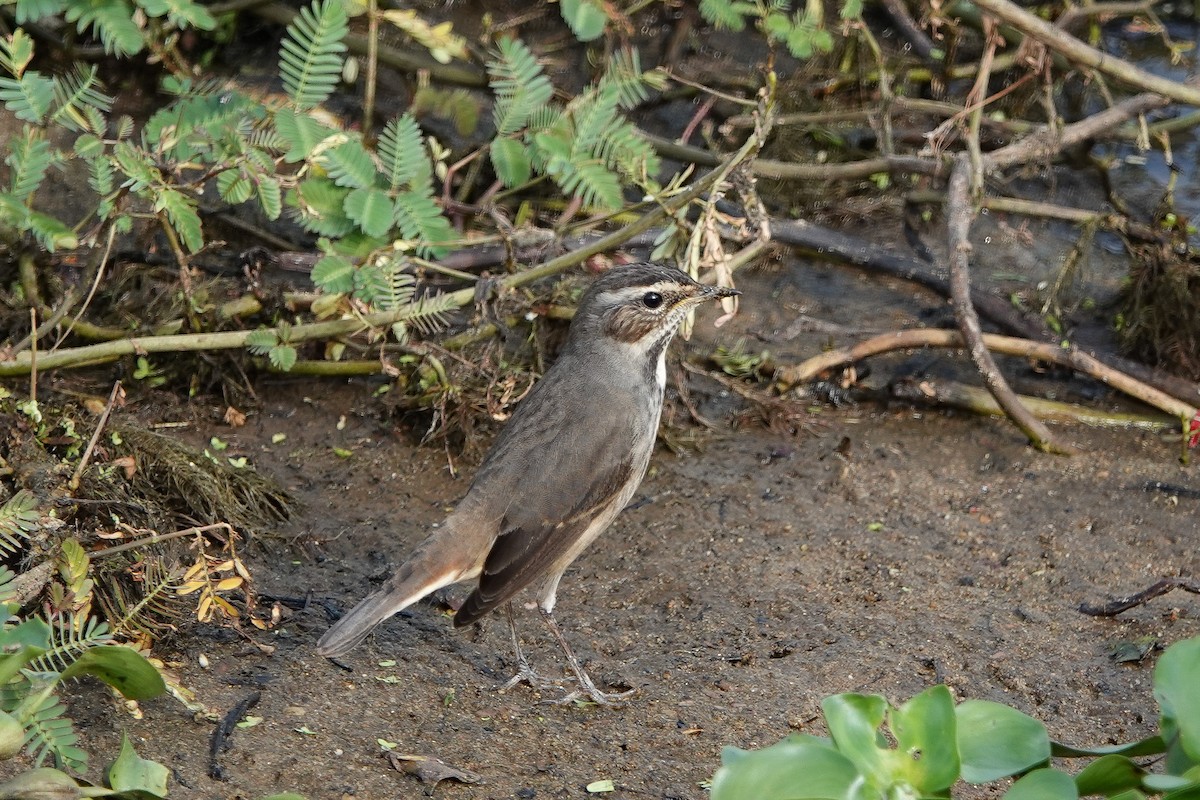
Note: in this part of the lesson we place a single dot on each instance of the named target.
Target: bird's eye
(652, 299)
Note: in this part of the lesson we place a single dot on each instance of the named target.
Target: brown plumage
(564, 466)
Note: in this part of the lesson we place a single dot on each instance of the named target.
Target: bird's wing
(556, 467)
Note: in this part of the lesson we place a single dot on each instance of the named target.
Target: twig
(912, 32)
(979, 401)
(786, 170)
(1070, 357)
(1075, 50)
(1045, 144)
(33, 365)
(73, 484)
(958, 226)
(157, 538)
(1115, 607)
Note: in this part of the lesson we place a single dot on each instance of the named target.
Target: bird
(567, 462)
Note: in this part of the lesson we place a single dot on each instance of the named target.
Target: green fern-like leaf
(430, 313)
(300, 134)
(69, 637)
(349, 164)
(112, 21)
(155, 608)
(624, 76)
(593, 183)
(34, 10)
(137, 166)
(282, 357)
(310, 57)
(29, 97)
(270, 196)
(51, 232)
(180, 13)
(371, 209)
(318, 205)
(333, 273)
(585, 17)
(726, 15)
(371, 283)
(28, 161)
(8, 592)
(511, 161)
(520, 86)
(74, 94)
(260, 342)
(181, 212)
(400, 285)
(49, 733)
(18, 520)
(402, 152)
(234, 186)
(420, 221)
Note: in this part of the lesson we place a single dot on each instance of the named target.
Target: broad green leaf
(1166, 783)
(120, 667)
(995, 741)
(854, 721)
(1150, 746)
(42, 782)
(800, 767)
(927, 750)
(12, 663)
(1109, 775)
(1043, 784)
(131, 772)
(1177, 689)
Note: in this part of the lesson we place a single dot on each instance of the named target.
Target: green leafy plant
(802, 32)
(587, 146)
(924, 747)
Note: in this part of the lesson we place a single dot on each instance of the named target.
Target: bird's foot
(526, 675)
(587, 692)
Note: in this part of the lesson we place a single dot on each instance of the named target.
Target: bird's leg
(586, 689)
(525, 672)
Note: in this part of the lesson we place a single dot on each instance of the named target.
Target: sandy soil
(879, 550)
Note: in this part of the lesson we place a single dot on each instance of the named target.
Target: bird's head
(640, 305)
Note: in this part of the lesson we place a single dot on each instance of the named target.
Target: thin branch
(1070, 357)
(73, 484)
(22, 363)
(958, 226)
(1037, 28)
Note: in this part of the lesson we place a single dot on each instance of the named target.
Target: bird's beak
(713, 292)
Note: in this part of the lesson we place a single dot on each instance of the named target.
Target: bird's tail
(430, 567)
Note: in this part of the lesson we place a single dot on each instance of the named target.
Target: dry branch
(1071, 357)
(958, 226)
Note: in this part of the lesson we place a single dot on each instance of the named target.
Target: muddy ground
(878, 549)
